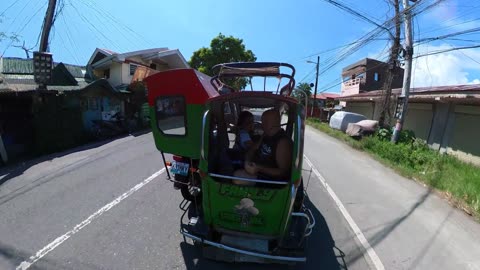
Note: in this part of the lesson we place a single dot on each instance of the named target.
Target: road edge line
(372, 255)
(59, 240)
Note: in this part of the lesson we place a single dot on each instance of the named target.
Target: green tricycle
(236, 157)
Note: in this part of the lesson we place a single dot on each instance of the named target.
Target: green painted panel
(187, 145)
(248, 209)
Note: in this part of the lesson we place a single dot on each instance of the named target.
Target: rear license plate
(179, 168)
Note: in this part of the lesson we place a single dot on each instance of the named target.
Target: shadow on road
(390, 227)
(321, 251)
(11, 257)
(19, 167)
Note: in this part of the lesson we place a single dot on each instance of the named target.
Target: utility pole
(47, 25)
(408, 70)
(385, 113)
(316, 83)
(42, 60)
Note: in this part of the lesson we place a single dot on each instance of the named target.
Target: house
(447, 117)
(124, 70)
(33, 120)
(23, 107)
(62, 115)
(119, 68)
(324, 99)
(368, 75)
(324, 103)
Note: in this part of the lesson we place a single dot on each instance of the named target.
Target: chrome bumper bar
(308, 231)
(245, 252)
(310, 220)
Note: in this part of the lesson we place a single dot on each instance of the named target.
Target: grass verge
(458, 181)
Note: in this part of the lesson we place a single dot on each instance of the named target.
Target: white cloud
(454, 16)
(448, 68)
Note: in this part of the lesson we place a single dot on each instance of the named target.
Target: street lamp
(316, 83)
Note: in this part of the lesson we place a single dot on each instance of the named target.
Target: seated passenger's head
(245, 121)
(271, 122)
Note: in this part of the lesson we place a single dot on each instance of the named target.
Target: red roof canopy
(192, 84)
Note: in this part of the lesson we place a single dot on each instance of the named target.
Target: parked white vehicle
(341, 119)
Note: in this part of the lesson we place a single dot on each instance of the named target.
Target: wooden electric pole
(408, 70)
(385, 113)
(316, 87)
(47, 25)
(42, 60)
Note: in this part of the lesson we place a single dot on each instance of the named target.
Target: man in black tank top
(271, 157)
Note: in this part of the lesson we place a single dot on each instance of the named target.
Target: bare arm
(252, 149)
(284, 161)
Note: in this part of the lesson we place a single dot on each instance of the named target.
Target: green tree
(302, 87)
(222, 49)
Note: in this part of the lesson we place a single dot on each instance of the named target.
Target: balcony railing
(354, 81)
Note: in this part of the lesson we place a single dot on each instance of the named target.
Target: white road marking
(55, 243)
(377, 263)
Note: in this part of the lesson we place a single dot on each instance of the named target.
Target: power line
(31, 17)
(5, 10)
(303, 79)
(383, 56)
(16, 17)
(116, 21)
(447, 50)
(468, 31)
(425, 9)
(21, 29)
(464, 40)
(68, 49)
(84, 19)
(453, 25)
(129, 38)
(16, 33)
(366, 39)
(337, 48)
(356, 13)
(471, 58)
(72, 43)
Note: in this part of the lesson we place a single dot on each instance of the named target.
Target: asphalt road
(107, 206)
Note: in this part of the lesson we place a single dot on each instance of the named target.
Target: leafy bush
(406, 136)
(384, 134)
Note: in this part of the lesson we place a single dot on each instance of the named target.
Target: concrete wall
(126, 77)
(378, 110)
(364, 108)
(116, 74)
(465, 139)
(419, 119)
(441, 127)
(450, 128)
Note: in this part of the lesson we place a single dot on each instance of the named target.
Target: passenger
(243, 141)
(271, 157)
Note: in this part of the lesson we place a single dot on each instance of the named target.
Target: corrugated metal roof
(13, 65)
(30, 86)
(17, 66)
(76, 71)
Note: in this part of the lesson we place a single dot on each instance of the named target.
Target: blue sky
(288, 31)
